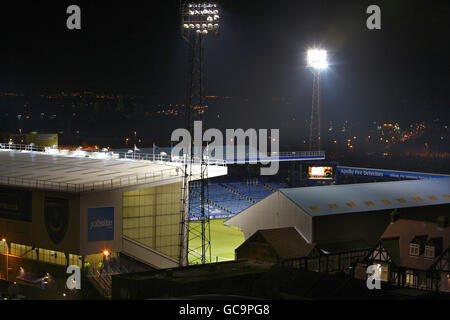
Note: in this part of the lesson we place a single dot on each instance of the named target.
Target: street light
(317, 61)
(7, 257)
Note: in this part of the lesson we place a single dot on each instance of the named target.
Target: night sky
(135, 46)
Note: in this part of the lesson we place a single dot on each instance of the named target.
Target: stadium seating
(274, 186)
(227, 199)
(253, 193)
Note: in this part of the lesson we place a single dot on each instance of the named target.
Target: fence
(329, 263)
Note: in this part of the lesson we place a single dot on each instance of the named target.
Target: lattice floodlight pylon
(198, 20)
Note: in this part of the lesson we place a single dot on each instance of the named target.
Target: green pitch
(224, 240)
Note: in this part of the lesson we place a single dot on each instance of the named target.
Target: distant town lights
(317, 59)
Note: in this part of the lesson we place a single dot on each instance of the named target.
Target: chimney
(442, 222)
(394, 216)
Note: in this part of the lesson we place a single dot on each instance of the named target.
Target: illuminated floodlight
(317, 59)
(200, 17)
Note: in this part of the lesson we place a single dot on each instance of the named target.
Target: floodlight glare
(317, 59)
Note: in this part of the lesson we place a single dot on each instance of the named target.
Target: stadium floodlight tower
(199, 20)
(317, 62)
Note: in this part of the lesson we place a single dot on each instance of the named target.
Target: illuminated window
(429, 251)
(351, 204)
(432, 198)
(314, 208)
(410, 278)
(386, 201)
(384, 276)
(413, 249)
(418, 199)
(75, 260)
(401, 200)
(53, 257)
(3, 248)
(369, 203)
(447, 196)
(333, 206)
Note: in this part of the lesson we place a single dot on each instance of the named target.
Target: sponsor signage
(101, 224)
(362, 172)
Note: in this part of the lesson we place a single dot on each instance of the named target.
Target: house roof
(287, 242)
(340, 246)
(368, 197)
(397, 237)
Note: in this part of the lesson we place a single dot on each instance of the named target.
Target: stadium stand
(226, 199)
(251, 192)
(274, 186)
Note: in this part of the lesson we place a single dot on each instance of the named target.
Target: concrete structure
(346, 212)
(66, 207)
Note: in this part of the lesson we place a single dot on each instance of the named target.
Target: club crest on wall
(56, 218)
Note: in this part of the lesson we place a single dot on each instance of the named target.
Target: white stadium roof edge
(83, 172)
(339, 199)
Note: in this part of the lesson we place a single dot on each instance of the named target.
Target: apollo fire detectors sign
(101, 224)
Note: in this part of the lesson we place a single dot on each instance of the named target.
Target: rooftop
(85, 172)
(399, 235)
(365, 197)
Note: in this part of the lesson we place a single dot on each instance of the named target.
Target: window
(413, 249)
(369, 203)
(410, 278)
(429, 251)
(384, 276)
(75, 260)
(54, 257)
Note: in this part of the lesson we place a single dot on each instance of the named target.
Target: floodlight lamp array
(201, 18)
(317, 59)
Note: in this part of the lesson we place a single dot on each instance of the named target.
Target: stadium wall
(278, 211)
(115, 199)
(62, 222)
(30, 225)
(368, 226)
(275, 211)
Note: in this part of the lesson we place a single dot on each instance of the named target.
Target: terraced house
(415, 254)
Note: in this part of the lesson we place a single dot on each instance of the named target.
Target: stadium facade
(346, 212)
(66, 208)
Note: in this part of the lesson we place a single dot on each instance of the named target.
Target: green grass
(224, 240)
